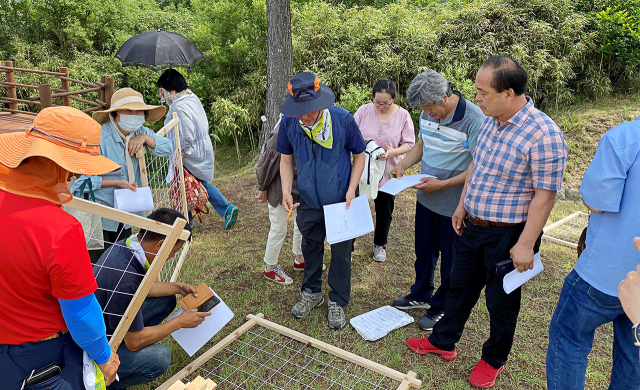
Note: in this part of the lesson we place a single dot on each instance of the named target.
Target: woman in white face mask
(123, 135)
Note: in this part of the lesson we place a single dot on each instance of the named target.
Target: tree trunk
(279, 62)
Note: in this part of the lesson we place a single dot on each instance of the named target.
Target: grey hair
(428, 87)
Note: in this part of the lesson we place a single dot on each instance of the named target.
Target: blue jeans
(148, 363)
(581, 309)
(216, 198)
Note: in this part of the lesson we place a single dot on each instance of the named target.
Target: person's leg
(142, 366)
(340, 273)
(448, 243)
(626, 365)
(579, 312)
(466, 284)
(277, 234)
(296, 248)
(155, 310)
(427, 253)
(216, 198)
(311, 224)
(384, 204)
(503, 308)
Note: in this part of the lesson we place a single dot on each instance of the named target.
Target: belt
(53, 336)
(484, 223)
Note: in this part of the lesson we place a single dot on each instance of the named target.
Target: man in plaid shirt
(517, 167)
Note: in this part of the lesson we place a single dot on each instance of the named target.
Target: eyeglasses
(382, 104)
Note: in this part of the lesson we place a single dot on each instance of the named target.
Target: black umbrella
(159, 49)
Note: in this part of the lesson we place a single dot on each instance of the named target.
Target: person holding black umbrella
(197, 149)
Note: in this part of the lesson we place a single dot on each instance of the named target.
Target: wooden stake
(183, 193)
(405, 385)
(11, 91)
(211, 352)
(145, 286)
(142, 165)
(183, 256)
(45, 95)
(66, 85)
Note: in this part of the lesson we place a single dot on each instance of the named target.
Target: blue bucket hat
(306, 94)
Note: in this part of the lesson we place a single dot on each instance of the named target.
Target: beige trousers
(278, 232)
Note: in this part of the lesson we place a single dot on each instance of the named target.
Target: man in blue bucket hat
(319, 138)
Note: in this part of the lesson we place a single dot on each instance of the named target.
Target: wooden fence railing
(46, 93)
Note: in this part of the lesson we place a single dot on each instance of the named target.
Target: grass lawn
(231, 262)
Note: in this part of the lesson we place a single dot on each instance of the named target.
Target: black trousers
(384, 214)
(311, 224)
(109, 238)
(479, 250)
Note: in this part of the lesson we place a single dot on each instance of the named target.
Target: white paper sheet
(379, 322)
(133, 201)
(192, 339)
(342, 224)
(515, 279)
(394, 186)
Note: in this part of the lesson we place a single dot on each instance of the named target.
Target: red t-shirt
(43, 258)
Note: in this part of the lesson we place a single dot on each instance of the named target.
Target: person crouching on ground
(321, 138)
(119, 273)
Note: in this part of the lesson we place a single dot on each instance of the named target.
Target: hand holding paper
(394, 186)
(515, 279)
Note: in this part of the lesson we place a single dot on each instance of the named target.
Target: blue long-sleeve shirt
(112, 147)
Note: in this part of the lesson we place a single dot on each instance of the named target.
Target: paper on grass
(379, 322)
(515, 279)
(192, 339)
(342, 224)
(394, 186)
(133, 201)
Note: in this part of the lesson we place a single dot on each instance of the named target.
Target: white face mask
(131, 123)
(167, 98)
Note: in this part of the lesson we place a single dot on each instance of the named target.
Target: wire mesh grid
(570, 230)
(263, 359)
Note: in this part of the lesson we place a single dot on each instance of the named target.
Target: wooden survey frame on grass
(173, 234)
(557, 224)
(407, 380)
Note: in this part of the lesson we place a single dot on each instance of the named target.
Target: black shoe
(404, 303)
(429, 319)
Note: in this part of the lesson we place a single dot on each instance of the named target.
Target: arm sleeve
(603, 182)
(83, 317)
(408, 135)
(355, 142)
(548, 158)
(187, 131)
(283, 145)
(163, 148)
(472, 133)
(96, 183)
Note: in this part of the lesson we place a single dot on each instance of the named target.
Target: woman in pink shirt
(391, 127)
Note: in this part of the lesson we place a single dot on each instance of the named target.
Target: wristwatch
(636, 334)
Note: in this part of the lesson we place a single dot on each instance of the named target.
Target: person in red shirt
(48, 313)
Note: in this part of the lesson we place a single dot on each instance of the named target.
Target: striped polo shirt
(446, 152)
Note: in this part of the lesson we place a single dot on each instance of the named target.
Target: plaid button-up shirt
(510, 161)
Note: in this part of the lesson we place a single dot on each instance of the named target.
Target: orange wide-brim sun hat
(63, 134)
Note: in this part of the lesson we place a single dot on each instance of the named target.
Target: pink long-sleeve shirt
(395, 132)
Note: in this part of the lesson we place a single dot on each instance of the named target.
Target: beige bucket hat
(129, 99)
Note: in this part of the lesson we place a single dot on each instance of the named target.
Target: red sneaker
(300, 266)
(483, 375)
(423, 347)
(278, 276)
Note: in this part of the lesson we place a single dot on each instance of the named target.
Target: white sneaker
(379, 253)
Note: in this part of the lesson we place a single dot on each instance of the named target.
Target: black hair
(166, 216)
(172, 80)
(384, 86)
(507, 74)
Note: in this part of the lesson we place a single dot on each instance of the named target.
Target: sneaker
(308, 301)
(423, 347)
(337, 319)
(300, 266)
(404, 303)
(379, 253)
(484, 376)
(430, 318)
(230, 217)
(278, 275)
